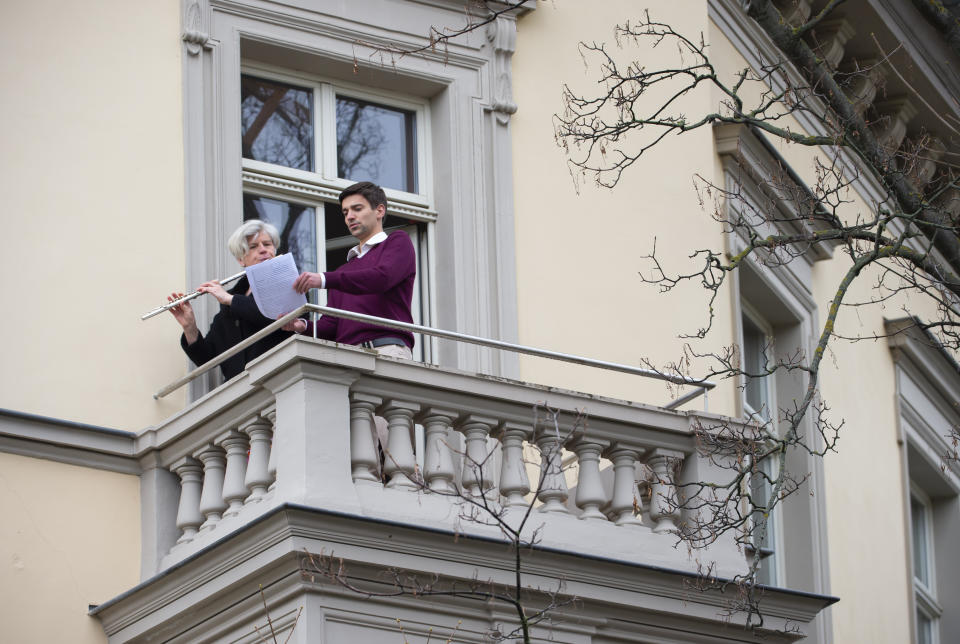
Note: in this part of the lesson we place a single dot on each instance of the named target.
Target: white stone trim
(67, 442)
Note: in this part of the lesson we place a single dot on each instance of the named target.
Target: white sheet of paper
(271, 283)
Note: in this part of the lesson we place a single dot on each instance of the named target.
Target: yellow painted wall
(92, 180)
(580, 252)
(69, 538)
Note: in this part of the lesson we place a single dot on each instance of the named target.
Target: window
(282, 107)
(927, 608)
(298, 131)
(758, 399)
(928, 388)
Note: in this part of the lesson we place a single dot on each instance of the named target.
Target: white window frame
(925, 593)
(325, 91)
(773, 563)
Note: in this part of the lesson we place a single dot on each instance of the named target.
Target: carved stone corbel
(502, 34)
(196, 26)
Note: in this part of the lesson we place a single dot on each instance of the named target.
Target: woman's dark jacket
(230, 326)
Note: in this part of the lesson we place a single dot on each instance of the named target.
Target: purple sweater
(379, 283)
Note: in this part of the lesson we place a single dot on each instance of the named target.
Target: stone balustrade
(462, 452)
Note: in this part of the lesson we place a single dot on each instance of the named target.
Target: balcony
(281, 461)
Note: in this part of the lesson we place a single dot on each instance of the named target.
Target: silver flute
(187, 297)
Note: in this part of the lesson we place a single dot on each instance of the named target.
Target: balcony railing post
(476, 477)
(234, 490)
(590, 494)
(514, 481)
(257, 478)
(311, 442)
(663, 491)
(399, 460)
(439, 443)
(363, 452)
(211, 497)
(624, 501)
(188, 510)
(553, 491)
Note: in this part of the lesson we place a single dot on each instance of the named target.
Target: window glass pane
(296, 224)
(755, 361)
(760, 491)
(276, 123)
(376, 143)
(924, 628)
(918, 520)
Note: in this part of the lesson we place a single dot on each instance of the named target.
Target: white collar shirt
(362, 249)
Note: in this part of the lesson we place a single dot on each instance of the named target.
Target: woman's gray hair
(238, 244)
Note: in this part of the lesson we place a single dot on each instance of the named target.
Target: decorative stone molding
(502, 34)
(195, 33)
(832, 37)
(663, 490)
(898, 112)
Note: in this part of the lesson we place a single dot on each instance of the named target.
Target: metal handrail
(702, 385)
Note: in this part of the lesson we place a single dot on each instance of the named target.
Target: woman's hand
(214, 289)
(183, 314)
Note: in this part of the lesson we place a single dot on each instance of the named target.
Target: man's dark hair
(370, 191)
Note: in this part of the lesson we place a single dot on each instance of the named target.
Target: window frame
(325, 176)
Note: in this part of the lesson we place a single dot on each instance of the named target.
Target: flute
(188, 297)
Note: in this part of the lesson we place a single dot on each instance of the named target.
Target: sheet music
(271, 283)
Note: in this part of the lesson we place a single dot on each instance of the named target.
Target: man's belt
(382, 342)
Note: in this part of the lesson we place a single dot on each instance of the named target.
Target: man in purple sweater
(377, 278)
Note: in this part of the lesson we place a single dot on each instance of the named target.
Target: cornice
(67, 441)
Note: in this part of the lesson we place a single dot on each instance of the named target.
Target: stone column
(624, 501)
(364, 459)
(514, 482)
(211, 498)
(234, 489)
(663, 492)
(399, 460)
(475, 476)
(438, 445)
(590, 495)
(553, 490)
(188, 510)
(257, 477)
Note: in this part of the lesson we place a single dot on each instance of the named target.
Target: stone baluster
(514, 482)
(364, 459)
(399, 460)
(234, 489)
(258, 429)
(189, 517)
(553, 490)
(623, 504)
(590, 494)
(270, 413)
(477, 463)
(439, 444)
(665, 464)
(211, 498)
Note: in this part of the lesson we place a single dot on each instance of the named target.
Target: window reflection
(276, 123)
(376, 143)
(297, 226)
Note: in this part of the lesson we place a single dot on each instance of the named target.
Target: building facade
(138, 136)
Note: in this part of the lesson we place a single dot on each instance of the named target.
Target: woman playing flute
(239, 318)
